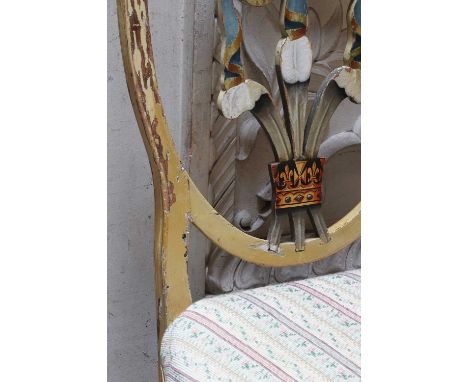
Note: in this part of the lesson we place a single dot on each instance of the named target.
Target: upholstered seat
(297, 331)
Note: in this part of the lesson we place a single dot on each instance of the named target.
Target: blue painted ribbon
(353, 47)
(295, 18)
(233, 67)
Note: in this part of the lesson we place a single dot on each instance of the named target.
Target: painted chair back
(296, 174)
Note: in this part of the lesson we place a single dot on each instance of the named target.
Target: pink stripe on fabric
(328, 300)
(238, 344)
(352, 276)
(304, 333)
(180, 372)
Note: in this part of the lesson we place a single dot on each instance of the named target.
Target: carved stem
(274, 232)
(325, 103)
(293, 64)
(294, 98)
(299, 221)
(315, 214)
(267, 115)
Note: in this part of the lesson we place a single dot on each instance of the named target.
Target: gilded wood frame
(178, 202)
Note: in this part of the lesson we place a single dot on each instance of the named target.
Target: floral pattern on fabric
(307, 330)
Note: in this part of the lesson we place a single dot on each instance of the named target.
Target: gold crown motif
(297, 183)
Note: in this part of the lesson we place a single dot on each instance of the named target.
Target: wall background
(131, 306)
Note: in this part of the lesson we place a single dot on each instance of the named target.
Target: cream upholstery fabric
(297, 331)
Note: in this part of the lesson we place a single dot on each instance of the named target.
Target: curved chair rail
(177, 200)
(255, 250)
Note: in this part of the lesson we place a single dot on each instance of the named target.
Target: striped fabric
(298, 331)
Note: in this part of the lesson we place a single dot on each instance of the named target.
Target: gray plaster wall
(132, 338)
